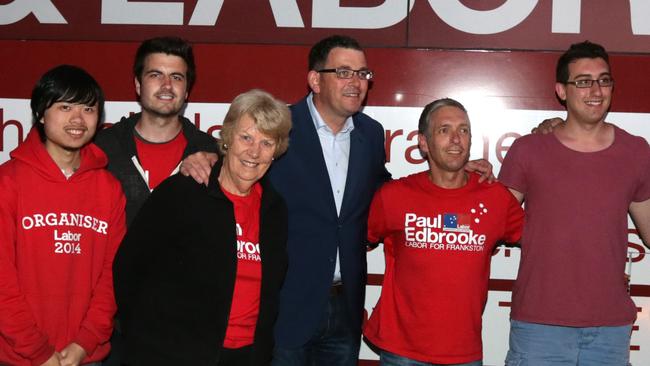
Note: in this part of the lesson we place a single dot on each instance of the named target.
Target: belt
(336, 289)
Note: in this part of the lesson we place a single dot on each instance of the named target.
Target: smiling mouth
(165, 96)
(352, 93)
(455, 151)
(250, 164)
(75, 132)
(593, 102)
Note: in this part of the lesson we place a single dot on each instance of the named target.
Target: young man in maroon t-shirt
(570, 304)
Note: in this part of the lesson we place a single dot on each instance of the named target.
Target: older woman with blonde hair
(198, 275)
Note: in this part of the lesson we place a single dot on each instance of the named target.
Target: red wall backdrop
(518, 79)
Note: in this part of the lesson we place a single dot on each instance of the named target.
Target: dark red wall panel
(519, 80)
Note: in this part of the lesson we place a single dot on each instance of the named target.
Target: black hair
(168, 45)
(319, 52)
(577, 51)
(65, 83)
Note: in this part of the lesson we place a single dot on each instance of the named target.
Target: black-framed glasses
(604, 82)
(349, 73)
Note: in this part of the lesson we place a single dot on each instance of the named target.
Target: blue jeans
(334, 343)
(391, 359)
(542, 345)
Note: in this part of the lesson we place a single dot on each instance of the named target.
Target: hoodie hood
(33, 153)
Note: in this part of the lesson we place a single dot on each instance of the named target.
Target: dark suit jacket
(175, 273)
(301, 177)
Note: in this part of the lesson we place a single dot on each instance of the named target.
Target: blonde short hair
(272, 117)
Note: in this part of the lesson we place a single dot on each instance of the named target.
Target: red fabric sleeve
(378, 227)
(514, 223)
(17, 323)
(376, 219)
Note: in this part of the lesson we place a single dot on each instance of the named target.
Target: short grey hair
(425, 117)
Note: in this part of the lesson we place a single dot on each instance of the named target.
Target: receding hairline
(441, 108)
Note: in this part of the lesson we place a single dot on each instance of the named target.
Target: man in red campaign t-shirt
(439, 229)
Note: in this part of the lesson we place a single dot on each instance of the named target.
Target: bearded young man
(147, 147)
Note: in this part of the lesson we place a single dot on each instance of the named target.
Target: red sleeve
(97, 326)
(514, 222)
(17, 323)
(378, 230)
(377, 219)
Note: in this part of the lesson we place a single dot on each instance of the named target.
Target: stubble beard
(162, 113)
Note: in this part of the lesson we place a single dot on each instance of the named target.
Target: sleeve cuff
(43, 355)
(87, 341)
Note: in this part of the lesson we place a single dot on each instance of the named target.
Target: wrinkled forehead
(449, 116)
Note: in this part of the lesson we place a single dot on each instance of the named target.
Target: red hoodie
(58, 238)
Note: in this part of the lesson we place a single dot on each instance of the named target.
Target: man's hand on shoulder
(547, 125)
(482, 167)
(198, 166)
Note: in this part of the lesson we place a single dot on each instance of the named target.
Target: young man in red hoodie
(61, 221)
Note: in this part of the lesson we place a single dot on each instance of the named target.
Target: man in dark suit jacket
(328, 177)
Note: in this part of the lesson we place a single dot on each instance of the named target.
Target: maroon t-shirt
(574, 244)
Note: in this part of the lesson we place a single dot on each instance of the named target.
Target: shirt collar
(318, 120)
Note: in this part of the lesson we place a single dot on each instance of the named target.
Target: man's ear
(422, 144)
(137, 85)
(313, 79)
(560, 91)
